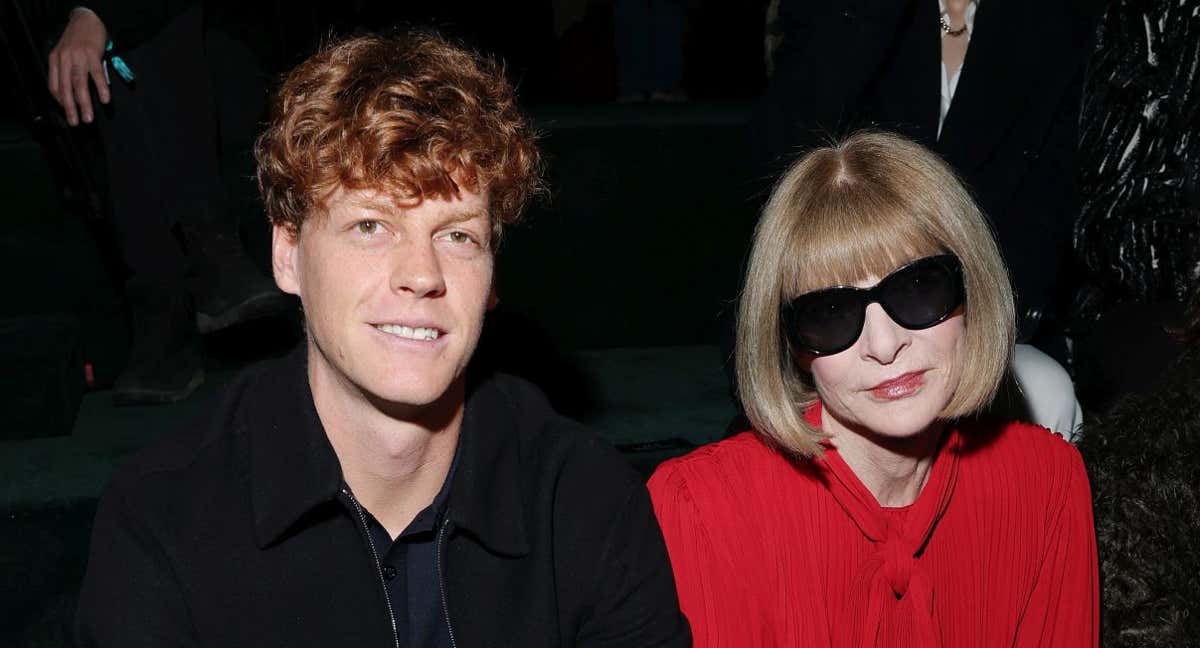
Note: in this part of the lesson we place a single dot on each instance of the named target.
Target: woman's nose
(882, 339)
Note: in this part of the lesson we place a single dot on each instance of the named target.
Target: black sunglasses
(916, 296)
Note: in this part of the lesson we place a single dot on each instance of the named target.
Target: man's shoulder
(733, 465)
(551, 442)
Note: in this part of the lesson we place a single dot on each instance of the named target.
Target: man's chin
(416, 398)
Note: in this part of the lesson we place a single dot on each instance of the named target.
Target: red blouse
(998, 550)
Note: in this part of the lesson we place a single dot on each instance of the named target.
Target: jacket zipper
(362, 519)
(441, 540)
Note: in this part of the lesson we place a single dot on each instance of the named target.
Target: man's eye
(367, 228)
(460, 237)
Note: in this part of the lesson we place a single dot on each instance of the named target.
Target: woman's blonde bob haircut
(861, 208)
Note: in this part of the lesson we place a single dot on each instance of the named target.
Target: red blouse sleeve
(708, 594)
(1064, 608)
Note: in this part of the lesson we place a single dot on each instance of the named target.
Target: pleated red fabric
(998, 549)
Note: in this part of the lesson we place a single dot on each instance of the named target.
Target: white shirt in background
(950, 83)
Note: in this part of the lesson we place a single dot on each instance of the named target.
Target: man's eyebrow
(375, 205)
(385, 207)
(461, 216)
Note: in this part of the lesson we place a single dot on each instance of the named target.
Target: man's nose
(416, 269)
(882, 338)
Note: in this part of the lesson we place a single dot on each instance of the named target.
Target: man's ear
(284, 252)
(493, 296)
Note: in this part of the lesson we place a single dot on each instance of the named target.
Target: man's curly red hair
(414, 117)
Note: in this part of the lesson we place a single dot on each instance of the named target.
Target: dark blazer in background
(1012, 129)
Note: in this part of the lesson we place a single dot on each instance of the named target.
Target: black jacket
(131, 23)
(230, 534)
(1012, 130)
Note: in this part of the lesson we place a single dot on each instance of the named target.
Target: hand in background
(77, 56)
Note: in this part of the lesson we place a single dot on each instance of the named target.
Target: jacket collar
(294, 471)
(485, 496)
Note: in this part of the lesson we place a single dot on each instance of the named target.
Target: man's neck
(394, 463)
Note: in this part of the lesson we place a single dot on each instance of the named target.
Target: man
(373, 489)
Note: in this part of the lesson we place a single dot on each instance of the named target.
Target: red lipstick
(901, 386)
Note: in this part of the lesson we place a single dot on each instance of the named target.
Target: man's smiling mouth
(412, 333)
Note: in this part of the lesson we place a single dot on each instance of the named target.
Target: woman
(866, 508)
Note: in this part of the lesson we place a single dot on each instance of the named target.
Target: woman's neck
(894, 470)
(956, 8)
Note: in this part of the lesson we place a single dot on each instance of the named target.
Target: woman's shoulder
(1022, 456)
(730, 458)
(1015, 437)
(737, 469)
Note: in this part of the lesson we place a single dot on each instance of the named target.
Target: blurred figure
(188, 271)
(1144, 462)
(649, 47)
(1138, 237)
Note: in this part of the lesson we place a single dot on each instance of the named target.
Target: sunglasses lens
(828, 321)
(917, 296)
(922, 294)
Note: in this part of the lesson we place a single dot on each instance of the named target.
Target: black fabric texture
(130, 23)
(160, 139)
(1138, 236)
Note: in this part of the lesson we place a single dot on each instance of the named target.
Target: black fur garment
(1138, 235)
(1144, 463)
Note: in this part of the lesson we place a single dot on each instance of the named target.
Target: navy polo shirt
(408, 566)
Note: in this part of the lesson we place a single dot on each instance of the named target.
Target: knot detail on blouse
(898, 567)
(891, 585)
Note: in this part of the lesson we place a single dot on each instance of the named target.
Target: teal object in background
(119, 64)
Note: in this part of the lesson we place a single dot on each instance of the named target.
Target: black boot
(227, 287)
(164, 363)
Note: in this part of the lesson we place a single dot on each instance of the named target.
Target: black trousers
(160, 139)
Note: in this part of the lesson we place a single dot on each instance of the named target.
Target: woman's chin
(894, 421)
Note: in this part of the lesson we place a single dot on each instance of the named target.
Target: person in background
(1144, 460)
(376, 487)
(1138, 236)
(188, 270)
(992, 87)
(869, 506)
(648, 39)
